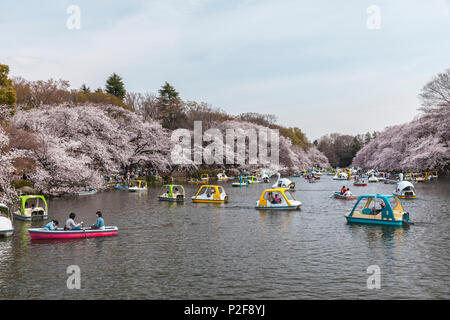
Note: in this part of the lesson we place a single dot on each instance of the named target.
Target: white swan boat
(6, 227)
(283, 183)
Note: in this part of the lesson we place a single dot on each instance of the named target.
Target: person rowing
(70, 223)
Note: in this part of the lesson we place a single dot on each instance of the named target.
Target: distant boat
(87, 192)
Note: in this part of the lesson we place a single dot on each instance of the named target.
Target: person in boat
(348, 193)
(343, 190)
(377, 211)
(270, 197)
(52, 225)
(100, 223)
(70, 223)
(276, 200)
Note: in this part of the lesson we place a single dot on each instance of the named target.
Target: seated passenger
(377, 211)
(343, 190)
(52, 225)
(348, 192)
(100, 224)
(277, 199)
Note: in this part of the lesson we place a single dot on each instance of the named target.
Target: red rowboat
(338, 195)
(60, 233)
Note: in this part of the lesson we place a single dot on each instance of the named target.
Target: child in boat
(276, 200)
(100, 224)
(343, 190)
(70, 223)
(348, 192)
(52, 225)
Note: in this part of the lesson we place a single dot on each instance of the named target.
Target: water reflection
(176, 250)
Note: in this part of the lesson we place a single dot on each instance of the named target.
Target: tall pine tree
(115, 86)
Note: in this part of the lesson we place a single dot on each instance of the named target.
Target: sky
(317, 65)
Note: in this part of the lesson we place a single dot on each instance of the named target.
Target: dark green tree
(170, 107)
(7, 92)
(115, 86)
(85, 89)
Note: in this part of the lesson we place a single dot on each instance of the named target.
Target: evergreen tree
(85, 89)
(115, 86)
(7, 93)
(170, 107)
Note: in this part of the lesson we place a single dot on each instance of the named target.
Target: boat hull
(6, 233)
(170, 199)
(339, 196)
(360, 184)
(41, 233)
(29, 218)
(280, 208)
(374, 221)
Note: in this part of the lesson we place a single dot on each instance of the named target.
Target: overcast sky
(314, 64)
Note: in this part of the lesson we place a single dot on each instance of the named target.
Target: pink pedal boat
(60, 233)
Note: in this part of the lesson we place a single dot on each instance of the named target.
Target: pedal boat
(6, 227)
(31, 207)
(210, 194)
(373, 179)
(240, 182)
(204, 178)
(338, 195)
(253, 179)
(60, 233)
(360, 183)
(172, 192)
(137, 186)
(340, 176)
(389, 215)
(405, 190)
(222, 177)
(283, 183)
(288, 202)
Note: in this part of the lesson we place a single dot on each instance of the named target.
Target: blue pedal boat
(378, 209)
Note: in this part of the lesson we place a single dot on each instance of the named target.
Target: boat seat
(367, 211)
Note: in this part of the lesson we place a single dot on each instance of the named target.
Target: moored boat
(390, 212)
(60, 233)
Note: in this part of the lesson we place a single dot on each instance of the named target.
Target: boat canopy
(405, 184)
(388, 211)
(24, 201)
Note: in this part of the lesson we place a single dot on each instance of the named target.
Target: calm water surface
(232, 251)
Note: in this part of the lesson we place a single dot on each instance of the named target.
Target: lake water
(232, 251)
